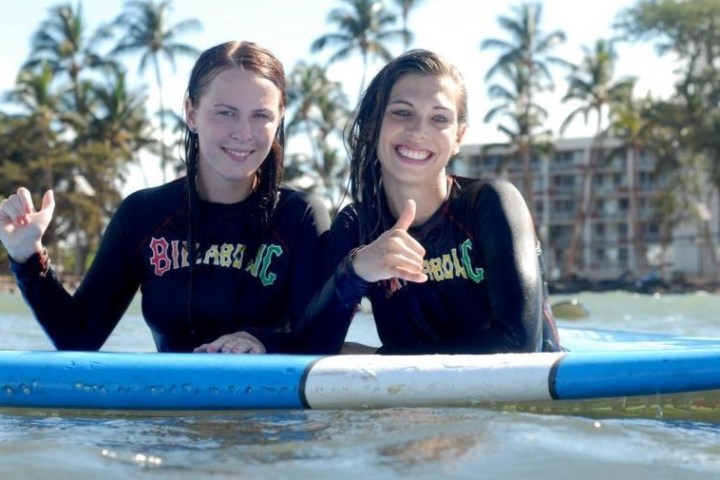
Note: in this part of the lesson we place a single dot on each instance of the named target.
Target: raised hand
(394, 254)
(238, 342)
(21, 226)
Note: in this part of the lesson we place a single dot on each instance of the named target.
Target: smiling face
(236, 119)
(420, 130)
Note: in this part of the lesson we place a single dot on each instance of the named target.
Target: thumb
(48, 202)
(407, 217)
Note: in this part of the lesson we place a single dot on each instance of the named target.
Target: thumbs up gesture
(393, 254)
(21, 226)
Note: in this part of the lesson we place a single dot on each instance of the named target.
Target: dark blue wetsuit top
(485, 290)
(262, 291)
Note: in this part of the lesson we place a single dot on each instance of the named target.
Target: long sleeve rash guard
(485, 287)
(237, 283)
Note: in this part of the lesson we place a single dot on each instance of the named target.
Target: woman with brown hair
(226, 258)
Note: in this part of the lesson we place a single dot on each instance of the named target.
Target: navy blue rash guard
(485, 290)
(236, 285)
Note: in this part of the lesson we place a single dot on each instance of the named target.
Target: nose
(416, 126)
(241, 130)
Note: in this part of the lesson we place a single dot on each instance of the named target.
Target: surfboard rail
(175, 381)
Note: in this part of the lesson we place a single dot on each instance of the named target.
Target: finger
(236, 347)
(211, 347)
(48, 202)
(411, 276)
(25, 200)
(243, 346)
(407, 269)
(407, 217)
(10, 208)
(405, 244)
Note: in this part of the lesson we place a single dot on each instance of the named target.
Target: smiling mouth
(238, 154)
(413, 153)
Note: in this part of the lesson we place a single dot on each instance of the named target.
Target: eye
(263, 115)
(441, 119)
(226, 113)
(401, 112)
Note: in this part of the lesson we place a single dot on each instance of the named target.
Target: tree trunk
(583, 212)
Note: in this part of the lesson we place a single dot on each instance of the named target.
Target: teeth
(239, 153)
(412, 153)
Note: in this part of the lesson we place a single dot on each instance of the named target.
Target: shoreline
(8, 286)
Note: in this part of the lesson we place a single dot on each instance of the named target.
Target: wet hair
(251, 58)
(363, 133)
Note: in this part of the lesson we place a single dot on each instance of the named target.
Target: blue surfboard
(600, 364)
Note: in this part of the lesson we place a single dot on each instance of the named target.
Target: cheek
(386, 134)
(384, 147)
(267, 132)
(452, 140)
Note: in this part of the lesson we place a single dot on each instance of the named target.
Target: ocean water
(644, 440)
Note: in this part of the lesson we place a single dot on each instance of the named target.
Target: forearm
(46, 296)
(82, 321)
(328, 316)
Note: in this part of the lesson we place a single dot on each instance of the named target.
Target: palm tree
(523, 118)
(519, 146)
(591, 83)
(118, 120)
(405, 7)
(61, 42)
(147, 31)
(319, 108)
(34, 93)
(362, 27)
(524, 61)
(629, 122)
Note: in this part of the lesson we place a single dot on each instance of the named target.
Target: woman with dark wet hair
(450, 264)
(226, 258)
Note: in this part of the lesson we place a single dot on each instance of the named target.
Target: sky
(452, 28)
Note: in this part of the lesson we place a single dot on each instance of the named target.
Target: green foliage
(79, 126)
(317, 113)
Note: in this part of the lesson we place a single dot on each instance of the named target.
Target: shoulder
(145, 209)
(473, 185)
(480, 190)
(164, 195)
(291, 198)
(298, 201)
(300, 205)
(346, 216)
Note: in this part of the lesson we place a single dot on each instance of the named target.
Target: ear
(190, 115)
(458, 141)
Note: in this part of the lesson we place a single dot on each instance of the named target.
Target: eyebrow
(230, 107)
(224, 105)
(409, 104)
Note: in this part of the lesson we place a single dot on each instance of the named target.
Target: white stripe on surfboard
(365, 381)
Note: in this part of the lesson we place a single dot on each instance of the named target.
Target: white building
(625, 185)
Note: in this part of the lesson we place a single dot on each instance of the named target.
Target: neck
(224, 192)
(428, 198)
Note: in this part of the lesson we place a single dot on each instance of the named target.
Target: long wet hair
(251, 58)
(363, 133)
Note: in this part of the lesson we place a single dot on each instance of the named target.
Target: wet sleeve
(514, 284)
(82, 320)
(327, 318)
